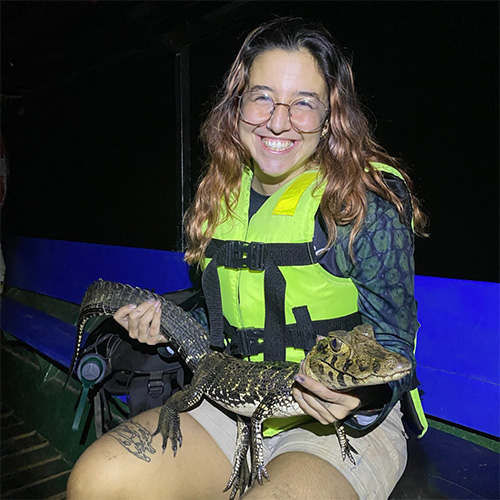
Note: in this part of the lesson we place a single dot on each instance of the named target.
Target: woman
(326, 218)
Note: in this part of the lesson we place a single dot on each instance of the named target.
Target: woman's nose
(280, 120)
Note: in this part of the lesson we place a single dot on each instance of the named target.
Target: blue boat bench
(457, 351)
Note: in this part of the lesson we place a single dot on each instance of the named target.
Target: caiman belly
(240, 386)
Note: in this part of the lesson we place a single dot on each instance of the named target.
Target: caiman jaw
(357, 380)
(375, 379)
(307, 369)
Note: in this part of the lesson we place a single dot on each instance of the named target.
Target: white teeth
(277, 145)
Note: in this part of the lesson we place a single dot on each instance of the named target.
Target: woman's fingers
(121, 316)
(311, 406)
(154, 331)
(142, 322)
(322, 403)
(319, 389)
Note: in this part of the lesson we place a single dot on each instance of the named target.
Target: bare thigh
(128, 463)
(301, 476)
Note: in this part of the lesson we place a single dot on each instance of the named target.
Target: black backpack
(113, 364)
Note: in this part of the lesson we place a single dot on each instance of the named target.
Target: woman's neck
(267, 185)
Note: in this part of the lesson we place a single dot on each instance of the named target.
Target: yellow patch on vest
(287, 204)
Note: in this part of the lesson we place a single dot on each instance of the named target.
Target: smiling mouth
(277, 145)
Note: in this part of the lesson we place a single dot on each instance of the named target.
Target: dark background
(90, 98)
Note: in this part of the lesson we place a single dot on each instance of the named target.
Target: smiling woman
(286, 227)
(281, 145)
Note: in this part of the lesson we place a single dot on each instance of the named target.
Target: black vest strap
(304, 334)
(243, 255)
(276, 335)
(251, 341)
(258, 257)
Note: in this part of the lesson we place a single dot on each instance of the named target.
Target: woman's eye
(309, 104)
(303, 104)
(262, 98)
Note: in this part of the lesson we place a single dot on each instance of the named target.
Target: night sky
(89, 113)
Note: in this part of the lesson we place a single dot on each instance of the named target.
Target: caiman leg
(169, 424)
(265, 409)
(345, 446)
(240, 475)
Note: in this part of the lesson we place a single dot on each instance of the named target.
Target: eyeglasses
(306, 114)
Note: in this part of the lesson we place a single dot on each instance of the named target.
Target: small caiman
(258, 390)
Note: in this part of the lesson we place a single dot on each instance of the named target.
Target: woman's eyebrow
(261, 87)
(306, 93)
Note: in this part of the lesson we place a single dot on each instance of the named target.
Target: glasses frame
(288, 106)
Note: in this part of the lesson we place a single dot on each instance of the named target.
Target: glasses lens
(256, 107)
(306, 115)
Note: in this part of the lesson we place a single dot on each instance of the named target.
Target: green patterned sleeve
(383, 273)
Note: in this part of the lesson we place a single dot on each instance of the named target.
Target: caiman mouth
(377, 379)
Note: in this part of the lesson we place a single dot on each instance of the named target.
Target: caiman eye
(336, 344)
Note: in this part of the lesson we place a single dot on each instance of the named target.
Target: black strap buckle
(243, 255)
(246, 342)
(155, 384)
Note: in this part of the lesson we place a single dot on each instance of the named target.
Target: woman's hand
(323, 404)
(142, 322)
(328, 406)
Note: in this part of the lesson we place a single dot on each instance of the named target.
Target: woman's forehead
(287, 72)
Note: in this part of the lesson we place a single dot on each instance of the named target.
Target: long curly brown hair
(343, 155)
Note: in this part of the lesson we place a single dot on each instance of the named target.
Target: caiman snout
(396, 367)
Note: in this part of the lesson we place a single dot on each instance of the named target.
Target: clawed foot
(238, 481)
(346, 448)
(347, 452)
(240, 474)
(259, 472)
(169, 425)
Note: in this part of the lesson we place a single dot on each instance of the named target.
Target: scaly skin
(341, 361)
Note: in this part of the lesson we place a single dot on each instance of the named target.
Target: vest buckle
(246, 342)
(244, 255)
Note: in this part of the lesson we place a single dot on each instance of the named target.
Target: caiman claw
(346, 448)
(240, 474)
(259, 472)
(169, 425)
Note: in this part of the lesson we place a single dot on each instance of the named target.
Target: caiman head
(344, 360)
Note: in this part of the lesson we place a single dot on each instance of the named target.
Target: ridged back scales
(183, 332)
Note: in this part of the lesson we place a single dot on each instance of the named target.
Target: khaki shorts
(380, 461)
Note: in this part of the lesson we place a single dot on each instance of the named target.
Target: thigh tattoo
(134, 438)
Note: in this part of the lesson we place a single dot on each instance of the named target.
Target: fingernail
(150, 301)
(132, 306)
(299, 378)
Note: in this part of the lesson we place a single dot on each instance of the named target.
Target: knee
(94, 478)
(77, 487)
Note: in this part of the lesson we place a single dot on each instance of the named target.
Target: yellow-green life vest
(287, 216)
